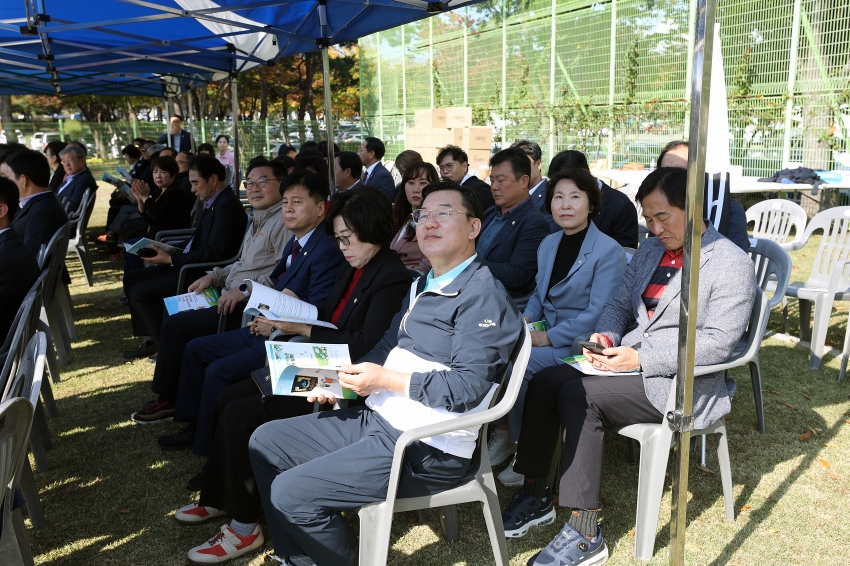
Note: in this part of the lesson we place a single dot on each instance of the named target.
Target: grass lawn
(110, 492)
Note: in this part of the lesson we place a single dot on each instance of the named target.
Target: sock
(242, 529)
(585, 522)
(536, 487)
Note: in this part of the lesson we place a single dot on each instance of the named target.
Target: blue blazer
(383, 180)
(512, 257)
(312, 273)
(538, 197)
(186, 142)
(572, 307)
(74, 190)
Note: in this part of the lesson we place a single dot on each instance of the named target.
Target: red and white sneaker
(225, 546)
(194, 514)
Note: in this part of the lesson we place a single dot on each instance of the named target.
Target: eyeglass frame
(263, 180)
(449, 211)
(342, 239)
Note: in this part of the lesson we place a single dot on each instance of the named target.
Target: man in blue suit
(78, 178)
(537, 183)
(371, 152)
(180, 139)
(513, 228)
(307, 270)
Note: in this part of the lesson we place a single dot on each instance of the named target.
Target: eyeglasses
(441, 214)
(447, 167)
(344, 240)
(259, 183)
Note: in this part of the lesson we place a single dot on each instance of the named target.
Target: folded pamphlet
(147, 243)
(274, 305)
(302, 369)
(192, 301)
(585, 367)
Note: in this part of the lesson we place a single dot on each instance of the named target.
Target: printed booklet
(274, 305)
(148, 244)
(192, 302)
(299, 368)
(586, 368)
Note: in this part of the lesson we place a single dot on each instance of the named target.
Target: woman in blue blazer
(578, 269)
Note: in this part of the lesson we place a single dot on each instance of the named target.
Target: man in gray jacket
(639, 329)
(440, 359)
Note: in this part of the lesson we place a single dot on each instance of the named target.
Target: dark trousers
(229, 483)
(309, 469)
(583, 405)
(176, 333)
(209, 365)
(146, 288)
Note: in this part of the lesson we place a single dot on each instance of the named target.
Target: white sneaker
(194, 514)
(509, 478)
(500, 447)
(225, 546)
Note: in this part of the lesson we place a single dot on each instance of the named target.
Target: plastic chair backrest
(773, 220)
(86, 209)
(30, 371)
(53, 260)
(773, 265)
(15, 422)
(24, 326)
(834, 246)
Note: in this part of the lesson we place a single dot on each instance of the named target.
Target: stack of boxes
(439, 127)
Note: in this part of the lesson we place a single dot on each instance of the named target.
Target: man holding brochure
(439, 359)
(263, 247)
(306, 271)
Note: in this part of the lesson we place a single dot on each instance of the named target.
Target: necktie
(296, 247)
(366, 178)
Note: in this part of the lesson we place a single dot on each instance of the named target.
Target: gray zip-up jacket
(471, 326)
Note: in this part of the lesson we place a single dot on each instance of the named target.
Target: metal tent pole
(329, 118)
(190, 110)
(681, 418)
(167, 119)
(234, 98)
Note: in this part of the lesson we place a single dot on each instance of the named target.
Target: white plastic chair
(773, 220)
(53, 314)
(78, 244)
(27, 384)
(828, 280)
(478, 485)
(16, 418)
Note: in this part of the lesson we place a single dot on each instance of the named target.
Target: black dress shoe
(197, 482)
(182, 440)
(124, 301)
(148, 348)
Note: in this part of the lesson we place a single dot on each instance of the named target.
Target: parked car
(35, 140)
(49, 137)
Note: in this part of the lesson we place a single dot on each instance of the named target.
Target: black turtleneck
(566, 256)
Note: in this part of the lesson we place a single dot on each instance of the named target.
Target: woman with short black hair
(368, 292)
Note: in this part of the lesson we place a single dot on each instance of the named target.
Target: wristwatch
(244, 288)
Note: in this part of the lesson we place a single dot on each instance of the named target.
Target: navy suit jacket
(38, 220)
(383, 180)
(539, 199)
(74, 190)
(512, 258)
(186, 143)
(18, 271)
(618, 217)
(483, 190)
(219, 233)
(313, 271)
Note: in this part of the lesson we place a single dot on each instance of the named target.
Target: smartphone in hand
(594, 347)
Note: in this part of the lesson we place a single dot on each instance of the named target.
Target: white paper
(274, 305)
(585, 367)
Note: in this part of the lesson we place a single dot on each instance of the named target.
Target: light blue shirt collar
(436, 283)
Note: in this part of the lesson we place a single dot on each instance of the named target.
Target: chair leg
(49, 401)
(52, 360)
(375, 524)
(845, 352)
(784, 304)
(63, 296)
(702, 451)
(38, 444)
(23, 540)
(725, 472)
(634, 451)
(653, 463)
(755, 377)
(493, 519)
(56, 317)
(10, 552)
(805, 319)
(82, 250)
(448, 519)
(422, 516)
(26, 483)
(61, 351)
(820, 325)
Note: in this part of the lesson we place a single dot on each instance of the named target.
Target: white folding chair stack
(479, 485)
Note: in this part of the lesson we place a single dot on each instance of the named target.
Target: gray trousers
(310, 468)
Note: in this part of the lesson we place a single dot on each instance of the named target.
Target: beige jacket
(261, 251)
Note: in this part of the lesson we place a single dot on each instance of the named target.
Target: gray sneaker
(570, 548)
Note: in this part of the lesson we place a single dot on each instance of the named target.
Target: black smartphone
(594, 347)
(146, 252)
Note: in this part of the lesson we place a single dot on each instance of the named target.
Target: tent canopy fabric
(121, 46)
